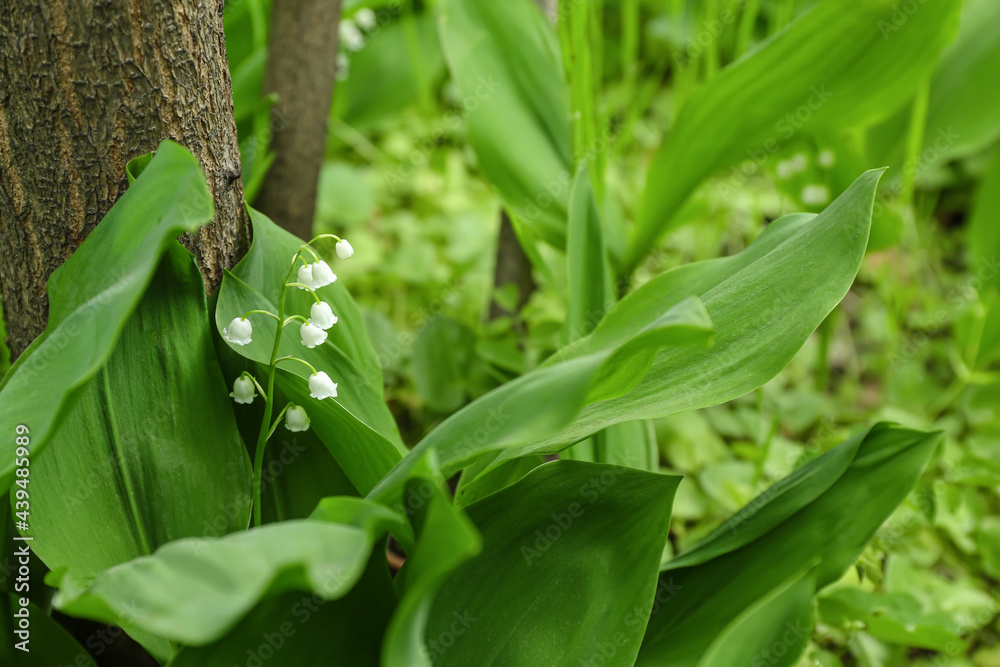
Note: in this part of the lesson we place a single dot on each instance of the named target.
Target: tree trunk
(84, 88)
(301, 69)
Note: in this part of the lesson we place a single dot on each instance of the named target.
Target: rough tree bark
(85, 87)
(301, 69)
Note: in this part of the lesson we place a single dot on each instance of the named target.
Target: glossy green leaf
(774, 631)
(961, 109)
(356, 427)
(568, 570)
(764, 304)
(150, 453)
(301, 629)
(445, 538)
(94, 292)
(825, 511)
(194, 591)
(517, 415)
(591, 289)
(505, 59)
(840, 65)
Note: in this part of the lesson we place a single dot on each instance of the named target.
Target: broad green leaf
(825, 511)
(94, 292)
(518, 414)
(298, 628)
(961, 110)
(984, 226)
(764, 304)
(443, 352)
(445, 538)
(774, 631)
(48, 643)
(568, 570)
(150, 453)
(194, 591)
(841, 65)
(505, 59)
(356, 427)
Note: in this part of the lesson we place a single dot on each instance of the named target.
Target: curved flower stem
(256, 384)
(324, 236)
(311, 252)
(277, 420)
(292, 318)
(301, 361)
(305, 287)
(262, 312)
(269, 401)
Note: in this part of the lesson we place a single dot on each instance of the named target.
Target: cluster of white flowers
(313, 332)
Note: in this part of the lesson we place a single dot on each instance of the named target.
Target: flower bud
(243, 390)
(296, 419)
(322, 275)
(312, 335)
(321, 386)
(321, 315)
(238, 332)
(344, 249)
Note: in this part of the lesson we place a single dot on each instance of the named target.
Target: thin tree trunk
(84, 88)
(301, 69)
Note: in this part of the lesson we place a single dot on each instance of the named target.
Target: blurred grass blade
(505, 59)
(840, 65)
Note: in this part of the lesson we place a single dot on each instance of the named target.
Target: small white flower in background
(322, 275)
(321, 315)
(826, 158)
(296, 419)
(815, 195)
(238, 332)
(365, 18)
(306, 276)
(784, 169)
(799, 162)
(350, 36)
(344, 249)
(243, 390)
(321, 386)
(312, 335)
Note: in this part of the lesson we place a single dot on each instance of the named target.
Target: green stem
(277, 420)
(292, 318)
(258, 462)
(301, 361)
(305, 287)
(915, 142)
(748, 21)
(712, 49)
(257, 384)
(261, 312)
(412, 36)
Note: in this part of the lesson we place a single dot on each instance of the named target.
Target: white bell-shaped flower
(322, 275)
(306, 277)
(312, 335)
(239, 331)
(321, 315)
(321, 386)
(243, 390)
(296, 419)
(344, 249)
